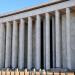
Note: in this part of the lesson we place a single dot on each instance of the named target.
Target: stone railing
(41, 72)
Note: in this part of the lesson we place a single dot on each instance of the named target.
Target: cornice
(31, 8)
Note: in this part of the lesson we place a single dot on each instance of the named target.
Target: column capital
(14, 22)
(21, 20)
(47, 14)
(7, 23)
(67, 9)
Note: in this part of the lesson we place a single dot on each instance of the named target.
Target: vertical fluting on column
(68, 38)
(58, 52)
(38, 42)
(2, 45)
(21, 45)
(29, 57)
(8, 45)
(47, 41)
(15, 45)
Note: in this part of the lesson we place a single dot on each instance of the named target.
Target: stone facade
(39, 37)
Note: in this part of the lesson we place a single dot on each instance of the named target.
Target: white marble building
(42, 36)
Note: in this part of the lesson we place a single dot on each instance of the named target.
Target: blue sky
(11, 5)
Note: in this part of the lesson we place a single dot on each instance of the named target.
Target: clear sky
(11, 5)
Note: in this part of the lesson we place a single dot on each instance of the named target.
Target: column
(38, 42)
(8, 45)
(58, 53)
(53, 40)
(47, 41)
(29, 57)
(15, 45)
(44, 41)
(68, 38)
(2, 45)
(21, 44)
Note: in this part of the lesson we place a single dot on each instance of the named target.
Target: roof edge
(31, 8)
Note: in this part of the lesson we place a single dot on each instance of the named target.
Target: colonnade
(12, 43)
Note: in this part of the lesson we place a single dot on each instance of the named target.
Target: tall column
(2, 45)
(53, 40)
(44, 41)
(68, 38)
(47, 41)
(58, 53)
(8, 45)
(29, 59)
(38, 42)
(21, 45)
(15, 45)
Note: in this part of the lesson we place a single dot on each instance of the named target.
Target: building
(42, 36)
